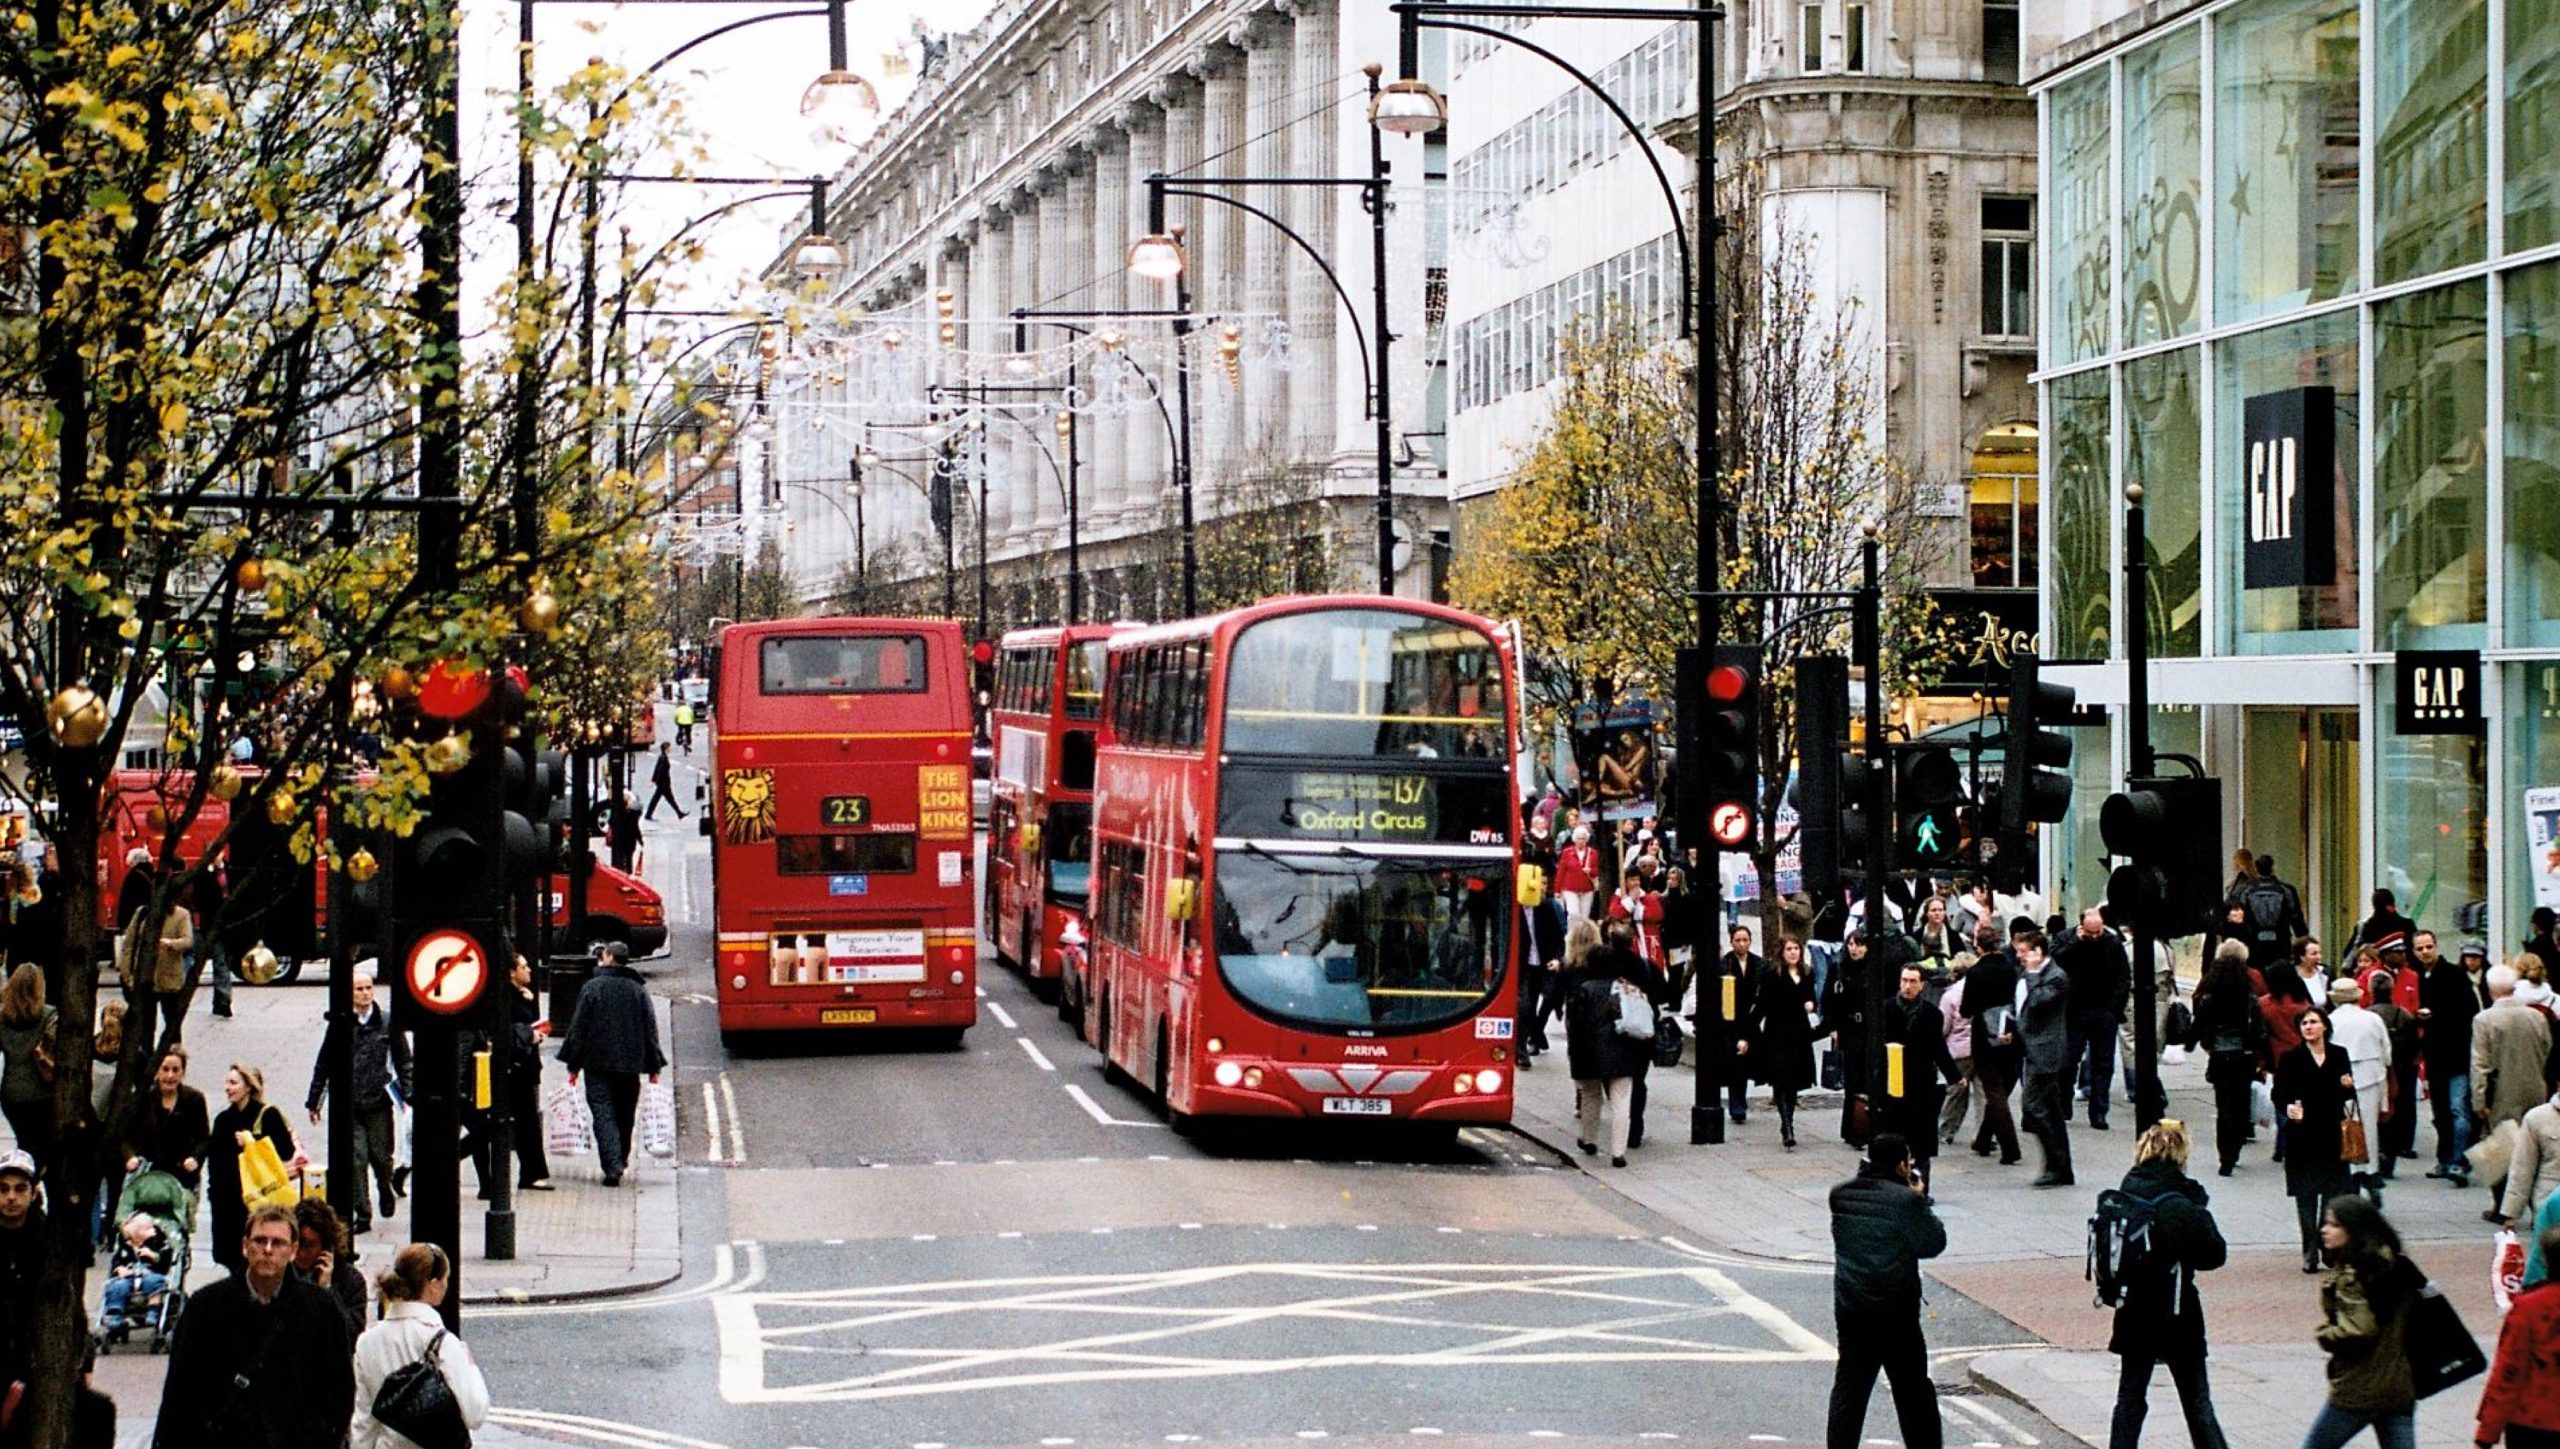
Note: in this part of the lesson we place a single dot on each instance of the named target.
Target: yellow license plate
(848, 1016)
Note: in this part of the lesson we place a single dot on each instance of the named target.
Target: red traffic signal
(1726, 683)
(983, 652)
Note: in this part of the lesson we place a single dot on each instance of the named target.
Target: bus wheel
(288, 971)
(1070, 1002)
(1110, 1064)
(951, 1039)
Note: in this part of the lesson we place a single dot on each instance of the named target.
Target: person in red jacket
(1577, 875)
(1642, 909)
(2521, 1399)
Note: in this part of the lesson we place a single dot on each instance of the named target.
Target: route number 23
(846, 810)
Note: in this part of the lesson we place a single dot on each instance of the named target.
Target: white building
(1014, 177)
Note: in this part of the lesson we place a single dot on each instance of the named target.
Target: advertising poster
(2542, 840)
(1614, 755)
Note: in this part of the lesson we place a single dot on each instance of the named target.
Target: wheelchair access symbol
(447, 971)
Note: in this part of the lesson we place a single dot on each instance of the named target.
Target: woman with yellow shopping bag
(247, 1160)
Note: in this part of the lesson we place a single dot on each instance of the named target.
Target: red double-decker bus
(840, 827)
(1047, 716)
(1305, 837)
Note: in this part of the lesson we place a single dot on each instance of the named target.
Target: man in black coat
(381, 1068)
(1912, 1022)
(2093, 960)
(1743, 969)
(21, 1260)
(263, 1360)
(613, 1042)
(2451, 994)
(1881, 1229)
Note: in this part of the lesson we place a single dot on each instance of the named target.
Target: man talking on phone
(1881, 1227)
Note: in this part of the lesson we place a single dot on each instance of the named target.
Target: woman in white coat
(2367, 1042)
(411, 1293)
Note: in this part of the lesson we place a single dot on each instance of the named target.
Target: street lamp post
(1064, 319)
(1410, 106)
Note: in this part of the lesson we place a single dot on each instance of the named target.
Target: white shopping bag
(570, 1129)
(2262, 1104)
(658, 1120)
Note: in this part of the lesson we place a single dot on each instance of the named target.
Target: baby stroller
(172, 1208)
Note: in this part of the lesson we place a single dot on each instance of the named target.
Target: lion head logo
(746, 816)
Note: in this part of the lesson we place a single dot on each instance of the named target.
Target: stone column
(1004, 232)
(1004, 441)
(1313, 310)
(1268, 67)
(1182, 120)
(1103, 442)
(1150, 459)
(1217, 261)
(964, 273)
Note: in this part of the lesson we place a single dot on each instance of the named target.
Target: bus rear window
(841, 664)
(888, 853)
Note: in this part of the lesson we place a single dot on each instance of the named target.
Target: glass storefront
(2341, 398)
(2284, 176)
(2431, 468)
(2431, 151)
(2315, 616)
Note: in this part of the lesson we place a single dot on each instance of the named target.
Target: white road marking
(737, 1126)
(1094, 1110)
(1187, 1323)
(1042, 1062)
(710, 1124)
(1003, 1017)
(601, 1431)
(1994, 1419)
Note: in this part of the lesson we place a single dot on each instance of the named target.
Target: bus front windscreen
(1373, 682)
(1348, 941)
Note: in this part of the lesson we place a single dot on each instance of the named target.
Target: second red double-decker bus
(1046, 717)
(1304, 845)
(840, 827)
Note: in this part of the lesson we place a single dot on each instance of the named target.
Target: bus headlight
(1487, 1080)
(1228, 1074)
(1253, 1078)
(957, 978)
(737, 983)
(1463, 1084)
(1217, 1045)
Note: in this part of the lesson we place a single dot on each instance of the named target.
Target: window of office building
(2533, 123)
(2008, 266)
(2434, 825)
(2290, 377)
(2163, 226)
(2000, 41)
(2164, 452)
(1853, 38)
(2082, 279)
(2004, 508)
(2529, 704)
(2285, 148)
(2532, 433)
(2082, 507)
(1809, 36)
(2431, 147)
(2431, 467)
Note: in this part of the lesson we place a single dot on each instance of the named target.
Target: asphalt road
(892, 1245)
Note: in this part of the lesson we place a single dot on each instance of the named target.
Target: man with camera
(1881, 1229)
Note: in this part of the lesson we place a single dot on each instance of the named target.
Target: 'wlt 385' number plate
(1359, 1107)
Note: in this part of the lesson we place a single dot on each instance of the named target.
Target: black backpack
(2121, 1247)
(2270, 905)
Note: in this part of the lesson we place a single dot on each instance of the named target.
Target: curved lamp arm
(1368, 370)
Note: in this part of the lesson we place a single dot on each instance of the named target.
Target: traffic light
(1928, 791)
(1729, 740)
(2169, 832)
(2034, 785)
(1822, 728)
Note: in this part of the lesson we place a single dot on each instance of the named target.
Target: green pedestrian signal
(1928, 791)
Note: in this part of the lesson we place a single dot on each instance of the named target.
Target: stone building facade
(1014, 177)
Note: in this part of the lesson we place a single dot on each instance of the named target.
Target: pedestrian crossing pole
(2147, 1097)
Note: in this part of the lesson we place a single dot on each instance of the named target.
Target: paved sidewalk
(2020, 1251)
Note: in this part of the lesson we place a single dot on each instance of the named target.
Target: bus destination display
(1387, 807)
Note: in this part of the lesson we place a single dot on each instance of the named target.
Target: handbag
(1667, 1041)
(2506, 1269)
(2441, 1350)
(2180, 1029)
(416, 1403)
(263, 1179)
(1635, 1015)
(1857, 1127)
(2351, 1144)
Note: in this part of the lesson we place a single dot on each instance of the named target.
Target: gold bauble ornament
(448, 754)
(362, 867)
(251, 576)
(396, 683)
(225, 784)
(258, 965)
(77, 717)
(540, 613)
(281, 807)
